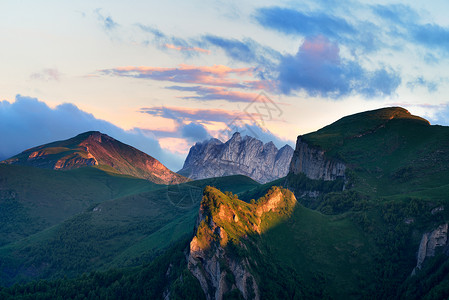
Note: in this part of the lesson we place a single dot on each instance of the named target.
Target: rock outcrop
(94, 148)
(314, 164)
(239, 155)
(429, 242)
(223, 225)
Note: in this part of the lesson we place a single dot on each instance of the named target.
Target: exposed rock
(429, 242)
(218, 268)
(94, 148)
(239, 155)
(314, 164)
(437, 209)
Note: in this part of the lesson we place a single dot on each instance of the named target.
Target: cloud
(431, 36)
(217, 75)
(318, 69)
(28, 122)
(396, 13)
(107, 22)
(190, 124)
(421, 82)
(194, 132)
(166, 42)
(291, 21)
(186, 48)
(215, 93)
(406, 22)
(442, 116)
(47, 75)
(181, 114)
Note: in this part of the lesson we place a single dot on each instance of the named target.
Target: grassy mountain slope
(292, 251)
(360, 242)
(93, 148)
(33, 199)
(124, 231)
(389, 150)
(289, 257)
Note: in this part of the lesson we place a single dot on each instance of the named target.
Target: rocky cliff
(429, 243)
(217, 251)
(94, 148)
(239, 155)
(313, 162)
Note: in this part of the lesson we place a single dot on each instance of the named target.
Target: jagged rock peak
(238, 156)
(224, 223)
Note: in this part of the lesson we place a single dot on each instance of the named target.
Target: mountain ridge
(96, 149)
(239, 155)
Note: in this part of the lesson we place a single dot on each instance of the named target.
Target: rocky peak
(94, 148)
(239, 155)
(224, 223)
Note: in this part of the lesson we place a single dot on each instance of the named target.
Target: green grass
(137, 224)
(43, 198)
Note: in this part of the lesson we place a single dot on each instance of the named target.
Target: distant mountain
(94, 148)
(239, 155)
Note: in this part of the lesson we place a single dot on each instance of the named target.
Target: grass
(138, 222)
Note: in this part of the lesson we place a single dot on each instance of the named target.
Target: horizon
(162, 81)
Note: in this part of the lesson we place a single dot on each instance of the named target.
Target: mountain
(94, 148)
(55, 224)
(362, 214)
(239, 155)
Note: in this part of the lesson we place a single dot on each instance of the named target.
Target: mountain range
(360, 213)
(239, 155)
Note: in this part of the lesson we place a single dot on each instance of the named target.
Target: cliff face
(94, 148)
(223, 226)
(239, 155)
(429, 242)
(314, 164)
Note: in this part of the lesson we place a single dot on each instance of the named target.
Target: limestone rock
(429, 242)
(239, 155)
(314, 164)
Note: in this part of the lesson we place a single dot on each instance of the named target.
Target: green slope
(33, 199)
(123, 231)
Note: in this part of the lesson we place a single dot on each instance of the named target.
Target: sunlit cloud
(183, 48)
(217, 75)
(216, 93)
(183, 114)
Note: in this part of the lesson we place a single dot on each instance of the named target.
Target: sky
(162, 76)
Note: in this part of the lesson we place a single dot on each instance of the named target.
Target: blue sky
(162, 76)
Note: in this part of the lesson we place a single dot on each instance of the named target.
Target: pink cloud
(182, 48)
(194, 114)
(320, 48)
(216, 93)
(217, 75)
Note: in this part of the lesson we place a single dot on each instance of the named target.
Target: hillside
(33, 199)
(129, 229)
(239, 155)
(362, 214)
(97, 149)
(273, 248)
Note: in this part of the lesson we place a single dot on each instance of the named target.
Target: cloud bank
(28, 122)
(318, 69)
